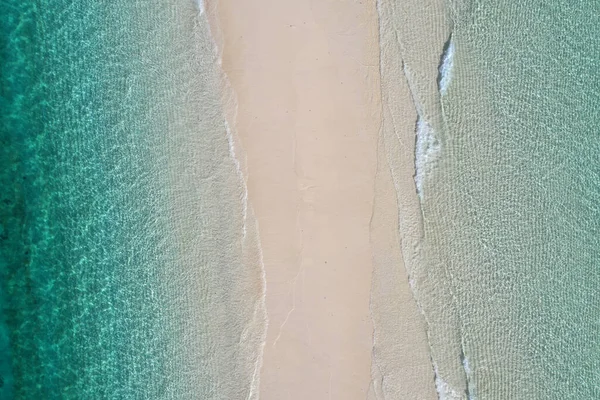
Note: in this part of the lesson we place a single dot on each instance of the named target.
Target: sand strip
(306, 79)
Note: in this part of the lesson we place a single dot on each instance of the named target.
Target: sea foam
(446, 66)
(251, 242)
(426, 151)
(200, 4)
(445, 392)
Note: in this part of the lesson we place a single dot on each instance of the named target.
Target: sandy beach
(306, 82)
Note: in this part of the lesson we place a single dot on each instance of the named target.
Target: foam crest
(445, 392)
(446, 66)
(468, 371)
(426, 152)
(200, 4)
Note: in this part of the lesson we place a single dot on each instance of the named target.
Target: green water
(512, 210)
(121, 213)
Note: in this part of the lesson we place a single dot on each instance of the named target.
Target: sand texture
(308, 115)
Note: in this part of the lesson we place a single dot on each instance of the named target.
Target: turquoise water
(121, 208)
(512, 211)
(503, 254)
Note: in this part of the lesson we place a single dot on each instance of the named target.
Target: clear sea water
(507, 265)
(512, 211)
(125, 272)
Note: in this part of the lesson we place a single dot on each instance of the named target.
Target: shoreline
(415, 60)
(409, 35)
(307, 115)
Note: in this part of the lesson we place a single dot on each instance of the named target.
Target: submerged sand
(306, 80)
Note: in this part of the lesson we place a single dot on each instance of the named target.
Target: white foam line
(426, 152)
(445, 392)
(427, 146)
(447, 67)
(260, 308)
(200, 4)
(466, 366)
(468, 373)
(240, 174)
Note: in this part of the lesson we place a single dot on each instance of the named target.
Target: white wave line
(240, 174)
(426, 152)
(445, 392)
(200, 5)
(446, 68)
(262, 308)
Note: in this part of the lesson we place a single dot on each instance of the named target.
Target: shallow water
(511, 215)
